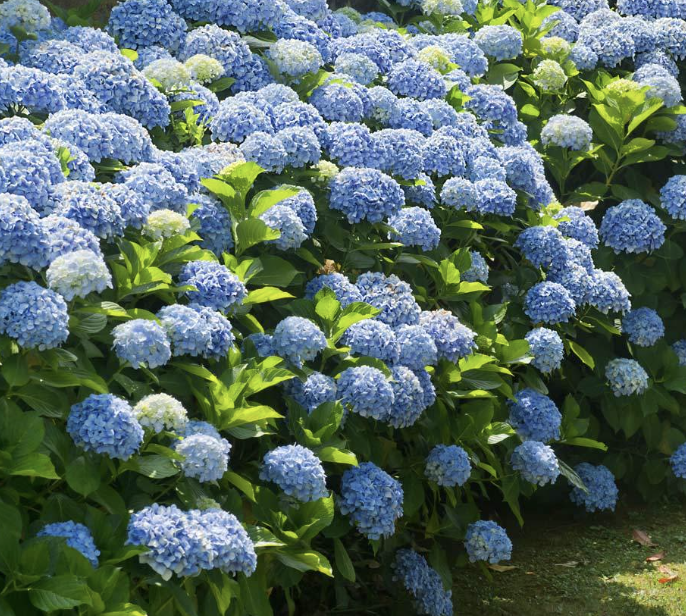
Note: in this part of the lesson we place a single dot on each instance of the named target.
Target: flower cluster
(486, 541)
(601, 490)
(297, 471)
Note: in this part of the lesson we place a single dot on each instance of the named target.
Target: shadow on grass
(584, 565)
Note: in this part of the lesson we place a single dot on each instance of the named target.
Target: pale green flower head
(204, 69)
(549, 76)
(164, 224)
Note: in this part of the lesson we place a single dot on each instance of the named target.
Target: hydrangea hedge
(289, 295)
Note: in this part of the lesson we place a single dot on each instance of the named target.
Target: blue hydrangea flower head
(130, 23)
(285, 220)
(478, 270)
(156, 184)
(579, 226)
(448, 465)
(141, 342)
(357, 66)
(632, 227)
(549, 302)
(607, 292)
(546, 347)
(349, 144)
(266, 150)
(77, 536)
(214, 224)
(235, 120)
(679, 347)
(301, 145)
(414, 226)
(373, 338)
(337, 103)
(287, 115)
(499, 42)
(626, 377)
(443, 155)
(314, 391)
(643, 326)
(365, 194)
(678, 461)
(105, 424)
(189, 333)
(22, 237)
(410, 114)
(366, 391)
(35, 317)
(491, 103)
(297, 339)
(428, 387)
(397, 151)
(78, 273)
(543, 246)
(453, 340)
(206, 458)
(297, 471)
(459, 193)
(408, 398)
(673, 197)
(659, 57)
(158, 412)
(486, 541)
(423, 583)
(423, 194)
(390, 295)
(535, 416)
(90, 206)
(495, 197)
(416, 80)
(216, 287)
(64, 235)
(372, 499)
(563, 25)
(567, 131)
(602, 489)
(383, 102)
(536, 462)
(346, 292)
(417, 347)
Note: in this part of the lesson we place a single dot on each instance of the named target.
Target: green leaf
(61, 592)
(517, 352)
(224, 83)
(352, 313)
(585, 442)
(581, 353)
(340, 456)
(82, 476)
(237, 417)
(274, 271)
(306, 561)
(10, 521)
(252, 232)
(242, 484)
(33, 465)
(343, 562)
(131, 54)
(265, 199)
(266, 294)
(572, 476)
(15, 370)
(155, 466)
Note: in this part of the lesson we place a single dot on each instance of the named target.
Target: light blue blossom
(392, 296)
(626, 377)
(77, 537)
(297, 339)
(549, 302)
(215, 286)
(414, 226)
(486, 541)
(453, 340)
(547, 349)
(534, 416)
(643, 326)
(448, 465)
(602, 492)
(141, 343)
(314, 391)
(536, 462)
(423, 583)
(297, 471)
(632, 227)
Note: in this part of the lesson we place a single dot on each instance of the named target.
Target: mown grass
(578, 565)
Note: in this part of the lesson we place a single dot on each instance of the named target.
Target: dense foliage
(293, 298)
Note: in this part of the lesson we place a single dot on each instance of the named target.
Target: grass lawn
(578, 565)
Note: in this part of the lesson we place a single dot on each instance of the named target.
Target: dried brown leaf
(501, 568)
(655, 557)
(571, 564)
(642, 537)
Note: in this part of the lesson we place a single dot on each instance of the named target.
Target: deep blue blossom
(366, 391)
(423, 193)
(414, 226)
(266, 150)
(626, 377)
(141, 342)
(214, 224)
(416, 80)
(390, 295)
(22, 238)
(365, 194)
(495, 197)
(491, 103)
(549, 302)
(77, 537)
(546, 347)
(235, 120)
(673, 197)
(632, 227)
(448, 465)
(416, 346)
(142, 23)
(297, 339)
(35, 317)
(678, 461)
(643, 326)
(337, 103)
(297, 471)
(563, 25)
(374, 339)
(543, 246)
(346, 292)
(105, 424)
(287, 222)
(602, 492)
(478, 270)
(301, 146)
(534, 416)
(453, 340)
(215, 286)
(372, 499)
(443, 155)
(536, 462)
(315, 390)
(408, 397)
(397, 152)
(579, 226)
(423, 583)
(410, 114)
(486, 541)
(607, 292)
(349, 144)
